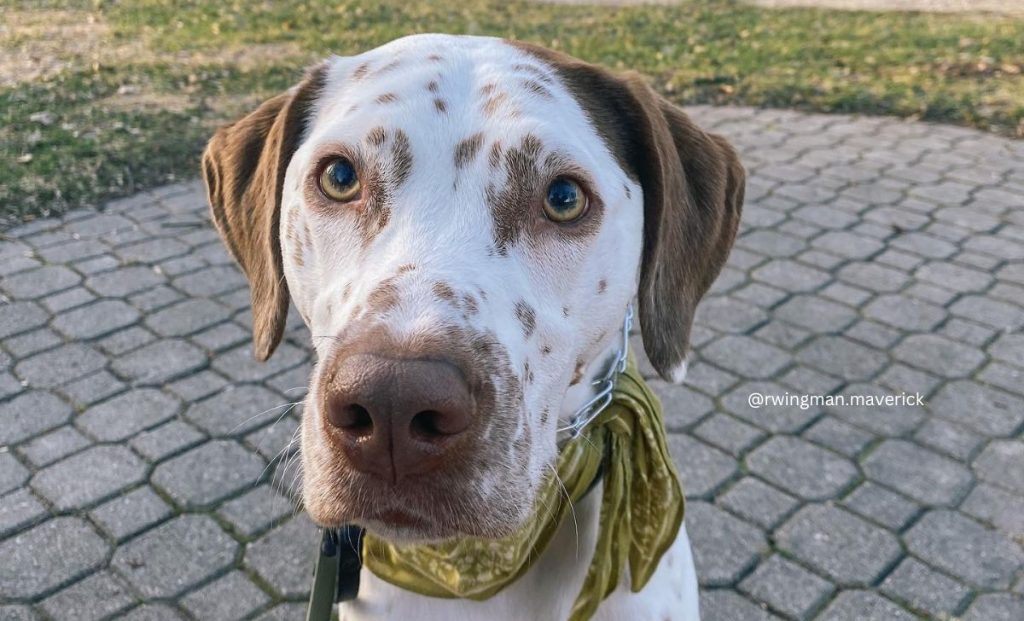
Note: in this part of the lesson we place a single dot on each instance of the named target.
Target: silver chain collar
(592, 408)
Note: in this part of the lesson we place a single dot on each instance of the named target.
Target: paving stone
(152, 250)
(284, 612)
(160, 362)
(996, 607)
(882, 505)
(256, 511)
(838, 436)
(152, 612)
(32, 342)
(963, 548)
(238, 410)
(60, 366)
(758, 502)
(284, 557)
(905, 313)
(952, 440)
(722, 605)
(173, 558)
(239, 365)
(1002, 463)
(94, 320)
(165, 440)
(728, 434)
(15, 612)
(20, 317)
(787, 587)
(221, 336)
(50, 447)
(98, 596)
(724, 547)
(155, 298)
(790, 276)
(842, 546)
(230, 597)
(727, 314)
(953, 276)
(274, 440)
(892, 420)
(30, 414)
(209, 473)
(187, 317)
(864, 606)
(995, 505)
(18, 510)
(996, 313)
(198, 386)
(785, 417)
(12, 473)
(124, 281)
(924, 588)
(49, 556)
(842, 357)
(126, 340)
(127, 414)
(801, 468)
(815, 314)
(987, 410)
(746, 356)
(938, 355)
(92, 388)
(89, 477)
(39, 282)
(702, 468)
(211, 281)
(919, 473)
(66, 300)
(130, 513)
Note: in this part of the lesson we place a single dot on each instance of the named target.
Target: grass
(127, 92)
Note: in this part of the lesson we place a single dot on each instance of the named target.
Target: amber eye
(565, 200)
(339, 180)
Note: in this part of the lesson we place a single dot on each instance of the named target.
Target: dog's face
(462, 223)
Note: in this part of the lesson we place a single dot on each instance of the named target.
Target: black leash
(336, 575)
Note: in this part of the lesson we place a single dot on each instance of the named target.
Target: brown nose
(397, 417)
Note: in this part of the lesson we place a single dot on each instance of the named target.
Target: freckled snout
(395, 418)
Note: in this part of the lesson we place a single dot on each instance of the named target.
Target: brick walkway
(876, 256)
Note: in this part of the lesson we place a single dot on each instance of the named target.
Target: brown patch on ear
(527, 317)
(693, 186)
(244, 168)
(467, 149)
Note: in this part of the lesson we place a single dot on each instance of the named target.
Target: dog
(462, 222)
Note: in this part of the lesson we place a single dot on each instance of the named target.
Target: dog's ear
(693, 186)
(244, 168)
(693, 194)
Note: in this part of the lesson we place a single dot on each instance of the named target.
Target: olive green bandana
(641, 511)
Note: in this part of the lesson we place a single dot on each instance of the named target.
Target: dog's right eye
(339, 180)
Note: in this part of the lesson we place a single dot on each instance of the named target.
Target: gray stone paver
(876, 257)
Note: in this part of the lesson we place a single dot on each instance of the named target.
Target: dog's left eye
(339, 180)
(565, 200)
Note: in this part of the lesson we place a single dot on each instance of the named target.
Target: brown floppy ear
(693, 194)
(693, 186)
(244, 167)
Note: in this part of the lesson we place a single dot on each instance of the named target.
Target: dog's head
(462, 223)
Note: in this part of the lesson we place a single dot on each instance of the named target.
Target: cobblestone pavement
(139, 443)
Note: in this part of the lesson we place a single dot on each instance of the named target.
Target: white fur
(440, 221)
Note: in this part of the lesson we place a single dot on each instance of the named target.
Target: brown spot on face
(406, 267)
(527, 317)
(401, 153)
(537, 88)
(545, 415)
(443, 291)
(469, 303)
(467, 149)
(527, 373)
(629, 193)
(511, 207)
(433, 86)
(360, 71)
(384, 297)
(347, 291)
(565, 311)
(387, 98)
(535, 71)
(545, 350)
(391, 66)
(293, 236)
(436, 58)
(494, 158)
(488, 88)
(602, 285)
(577, 372)
(377, 136)
(491, 106)
(440, 105)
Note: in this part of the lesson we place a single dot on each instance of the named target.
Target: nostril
(425, 425)
(353, 418)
